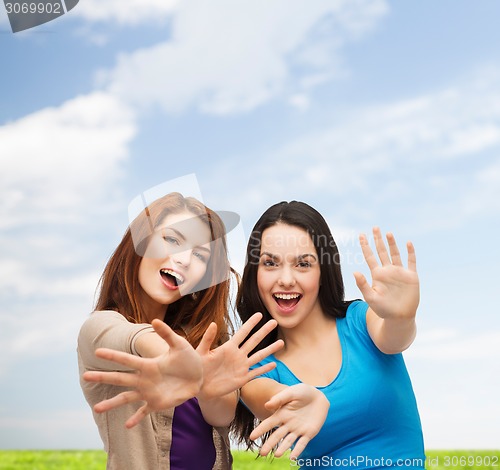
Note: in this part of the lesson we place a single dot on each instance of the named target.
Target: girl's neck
(311, 331)
(152, 309)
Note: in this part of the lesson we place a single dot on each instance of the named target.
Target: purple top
(192, 440)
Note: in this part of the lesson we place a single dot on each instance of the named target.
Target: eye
(304, 264)
(171, 240)
(200, 256)
(268, 263)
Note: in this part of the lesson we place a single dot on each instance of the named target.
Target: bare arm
(256, 393)
(227, 368)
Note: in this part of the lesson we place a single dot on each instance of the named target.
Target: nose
(182, 258)
(286, 278)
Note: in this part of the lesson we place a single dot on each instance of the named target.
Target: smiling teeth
(286, 296)
(179, 278)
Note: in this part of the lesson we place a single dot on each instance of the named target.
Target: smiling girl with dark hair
(340, 395)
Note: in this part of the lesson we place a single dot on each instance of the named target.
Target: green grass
(96, 460)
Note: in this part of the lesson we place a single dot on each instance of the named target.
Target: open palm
(161, 382)
(299, 412)
(227, 367)
(395, 291)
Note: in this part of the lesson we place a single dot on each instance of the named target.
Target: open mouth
(171, 278)
(287, 301)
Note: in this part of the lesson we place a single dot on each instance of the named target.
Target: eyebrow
(298, 258)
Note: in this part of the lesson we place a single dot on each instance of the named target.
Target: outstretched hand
(299, 412)
(162, 382)
(227, 367)
(394, 292)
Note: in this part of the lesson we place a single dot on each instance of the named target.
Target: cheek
(313, 284)
(199, 270)
(144, 274)
(264, 284)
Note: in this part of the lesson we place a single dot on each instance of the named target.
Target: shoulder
(109, 329)
(356, 314)
(100, 319)
(104, 315)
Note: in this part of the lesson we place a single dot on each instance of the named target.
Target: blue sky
(375, 112)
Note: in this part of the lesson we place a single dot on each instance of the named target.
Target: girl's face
(175, 261)
(288, 275)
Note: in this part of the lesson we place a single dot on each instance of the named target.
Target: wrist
(208, 398)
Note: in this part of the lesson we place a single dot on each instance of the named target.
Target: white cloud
(448, 367)
(60, 168)
(4, 19)
(228, 57)
(125, 12)
(299, 101)
(60, 158)
(448, 345)
(440, 148)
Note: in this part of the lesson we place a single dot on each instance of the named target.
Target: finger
(363, 285)
(258, 336)
(370, 259)
(121, 399)
(273, 440)
(120, 357)
(207, 339)
(247, 327)
(412, 257)
(286, 443)
(265, 426)
(260, 370)
(281, 398)
(393, 249)
(137, 416)
(299, 447)
(380, 245)
(263, 353)
(124, 379)
(170, 337)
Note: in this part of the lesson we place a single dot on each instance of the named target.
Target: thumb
(163, 330)
(280, 399)
(208, 339)
(362, 284)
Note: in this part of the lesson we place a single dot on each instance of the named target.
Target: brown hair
(119, 286)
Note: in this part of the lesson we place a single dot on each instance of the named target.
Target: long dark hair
(331, 291)
(119, 286)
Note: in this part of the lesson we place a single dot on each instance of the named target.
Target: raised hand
(227, 367)
(162, 382)
(299, 412)
(394, 292)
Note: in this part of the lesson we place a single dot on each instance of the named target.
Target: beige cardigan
(147, 445)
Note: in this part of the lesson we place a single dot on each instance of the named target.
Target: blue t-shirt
(373, 421)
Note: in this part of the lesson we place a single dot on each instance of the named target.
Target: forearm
(218, 411)
(256, 393)
(392, 335)
(400, 333)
